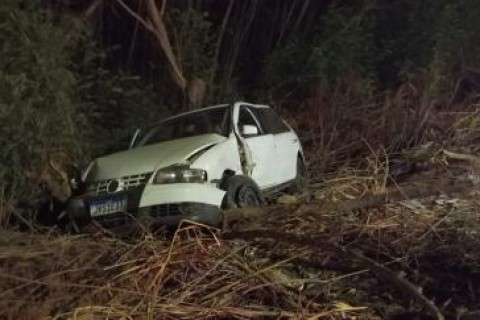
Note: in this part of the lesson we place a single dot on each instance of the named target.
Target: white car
(192, 166)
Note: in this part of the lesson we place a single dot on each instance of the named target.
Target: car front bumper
(163, 204)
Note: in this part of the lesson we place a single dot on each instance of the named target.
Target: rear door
(261, 147)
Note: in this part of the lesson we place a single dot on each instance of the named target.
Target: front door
(261, 146)
(285, 141)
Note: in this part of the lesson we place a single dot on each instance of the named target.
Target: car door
(261, 147)
(286, 144)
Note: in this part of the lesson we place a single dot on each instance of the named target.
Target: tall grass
(339, 134)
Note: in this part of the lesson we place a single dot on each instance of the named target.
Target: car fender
(219, 158)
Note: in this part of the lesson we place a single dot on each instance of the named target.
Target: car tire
(300, 183)
(242, 192)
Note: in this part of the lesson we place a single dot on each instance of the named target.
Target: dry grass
(195, 275)
(198, 275)
(337, 134)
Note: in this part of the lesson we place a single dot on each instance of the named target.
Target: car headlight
(179, 174)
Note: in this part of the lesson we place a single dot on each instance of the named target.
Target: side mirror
(134, 138)
(249, 130)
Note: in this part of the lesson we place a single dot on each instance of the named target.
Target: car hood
(148, 158)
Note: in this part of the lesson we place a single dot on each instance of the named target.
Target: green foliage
(469, 49)
(57, 104)
(404, 37)
(446, 38)
(339, 51)
(343, 44)
(115, 104)
(37, 93)
(286, 66)
(193, 37)
(457, 44)
(377, 47)
(224, 92)
(429, 40)
(36, 83)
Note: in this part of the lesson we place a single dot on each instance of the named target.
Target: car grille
(166, 210)
(101, 187)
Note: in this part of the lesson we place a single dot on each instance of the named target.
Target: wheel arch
(301, 156)
(236, 181)
(227, 174)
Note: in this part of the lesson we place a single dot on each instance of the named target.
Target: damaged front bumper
(167, 204)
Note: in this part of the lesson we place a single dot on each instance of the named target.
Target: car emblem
(113, 186)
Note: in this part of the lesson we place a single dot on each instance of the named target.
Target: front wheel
(242, 192)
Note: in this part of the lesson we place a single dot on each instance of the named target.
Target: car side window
(245, 118)
(270, 121)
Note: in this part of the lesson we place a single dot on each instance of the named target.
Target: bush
(338, 56)
(40, 130)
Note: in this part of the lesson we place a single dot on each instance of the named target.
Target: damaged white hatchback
(192, 166)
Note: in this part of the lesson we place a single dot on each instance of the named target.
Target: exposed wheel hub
(247, 197)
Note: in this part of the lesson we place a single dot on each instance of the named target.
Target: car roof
(217, 106)
(155, 124)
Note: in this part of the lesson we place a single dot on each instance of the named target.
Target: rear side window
(270, 121)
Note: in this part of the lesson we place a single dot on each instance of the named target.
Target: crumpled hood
(148, 158)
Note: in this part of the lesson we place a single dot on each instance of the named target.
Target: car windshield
(214, 120)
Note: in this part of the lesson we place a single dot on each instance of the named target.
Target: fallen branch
(399, 194)
(258, 216)
(317, 243)
(462, 157)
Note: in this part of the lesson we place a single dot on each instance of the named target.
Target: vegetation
(376, 88)
(40, 122)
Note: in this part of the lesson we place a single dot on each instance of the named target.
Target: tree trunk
(195, 89)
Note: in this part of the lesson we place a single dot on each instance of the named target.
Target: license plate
(101, 207)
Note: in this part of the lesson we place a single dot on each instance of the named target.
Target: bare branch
(155, 25)
(162, 37)
(218, 45)
(136, 16)
(92, 8)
